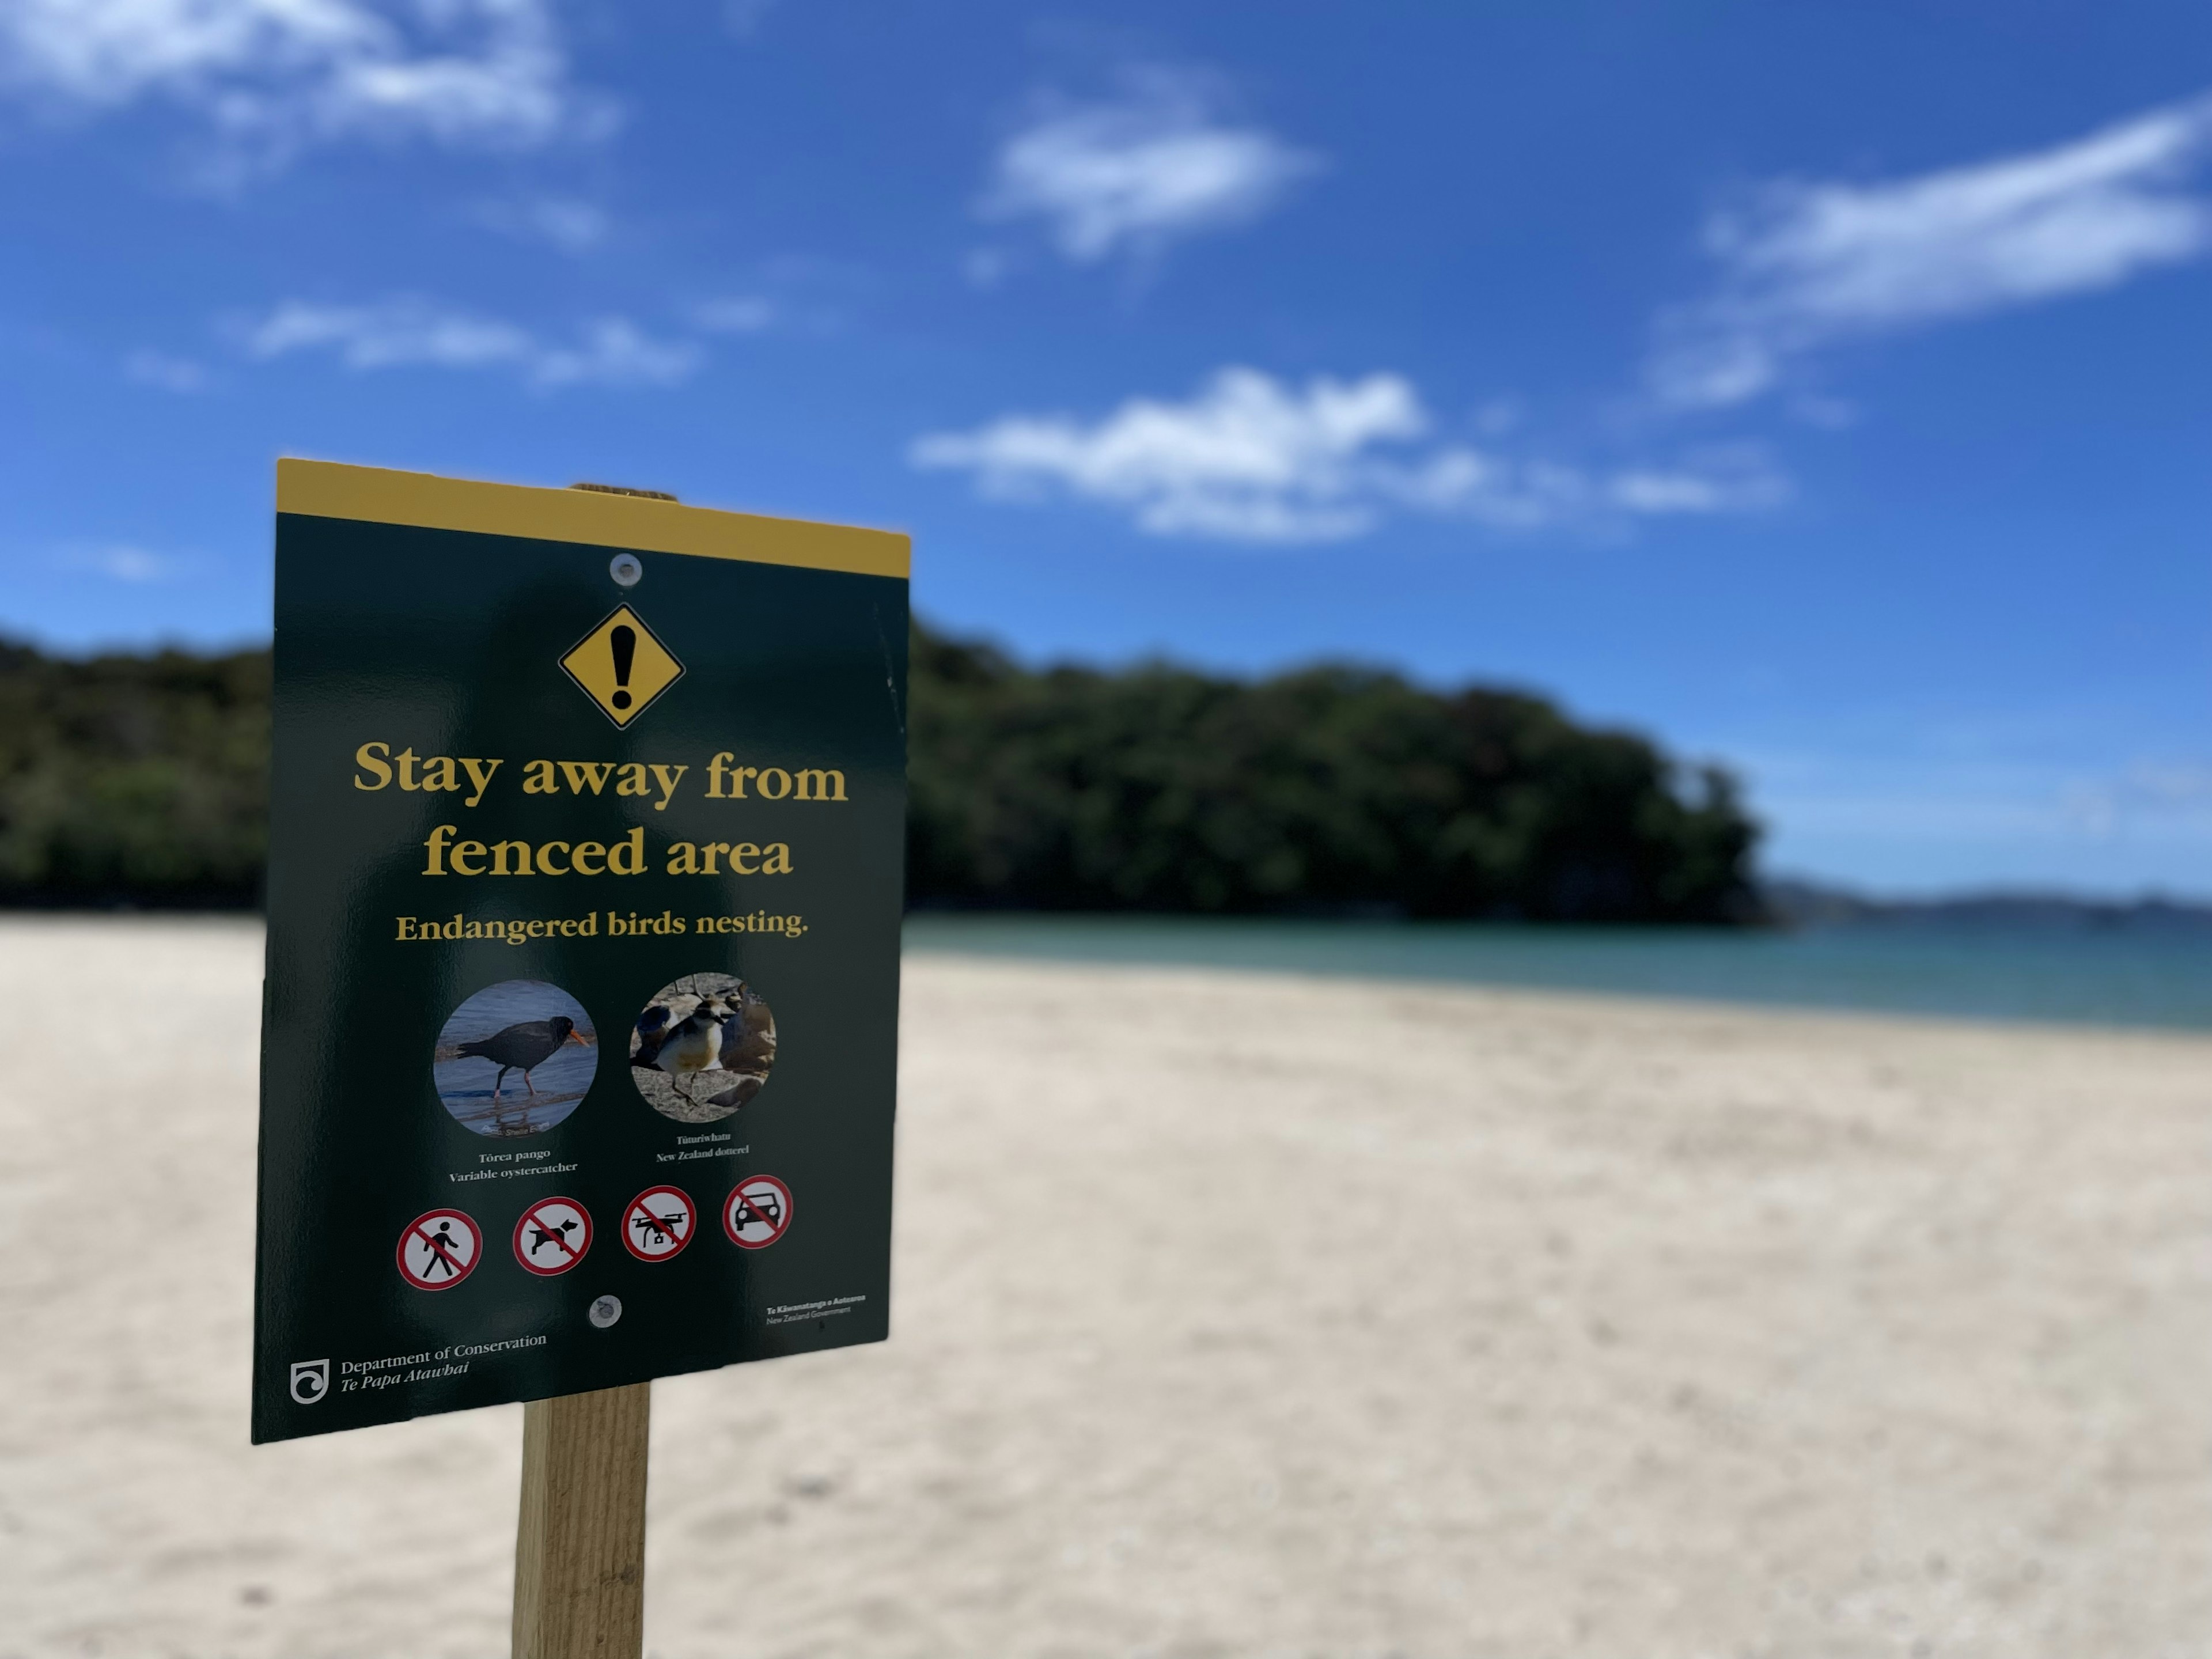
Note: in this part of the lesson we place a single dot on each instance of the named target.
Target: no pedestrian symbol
(439, 1249)
(552, 1236)
(757, 1212)
(659, 1223)
(621, 666)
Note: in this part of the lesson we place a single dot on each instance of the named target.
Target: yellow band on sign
(373, 494)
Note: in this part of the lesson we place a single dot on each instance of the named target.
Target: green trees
(139, 779)
(1328, 789)
(143, 780)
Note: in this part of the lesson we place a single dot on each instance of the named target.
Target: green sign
(579, 1043)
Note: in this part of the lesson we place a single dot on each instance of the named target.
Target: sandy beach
(1234, 1315)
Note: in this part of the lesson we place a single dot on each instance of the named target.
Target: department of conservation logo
(621, 666)
(310, 1379)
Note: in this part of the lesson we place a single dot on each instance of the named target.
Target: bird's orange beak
(577, 1037)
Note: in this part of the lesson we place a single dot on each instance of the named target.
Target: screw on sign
(440, 1249)
(552, 1236)
(658, 1223)
(757, 1212)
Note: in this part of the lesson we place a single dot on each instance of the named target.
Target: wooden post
(579, 1544)
(580, 1548)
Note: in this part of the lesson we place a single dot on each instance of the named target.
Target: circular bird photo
(703, 1047)
(515, 1058)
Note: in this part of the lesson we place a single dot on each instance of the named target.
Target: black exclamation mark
(623, 640)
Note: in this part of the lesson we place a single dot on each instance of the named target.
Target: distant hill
(142, 779)
(1794, 902)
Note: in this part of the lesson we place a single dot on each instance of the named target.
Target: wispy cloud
(2001, 806)
(737, 313)
(567, 222)
(279, 73)
(1806, 264)
(787, 293)
(159, 369)
(1249, 459)
(123, 563)
(1132, 174)
(742, 18)
(419, 333)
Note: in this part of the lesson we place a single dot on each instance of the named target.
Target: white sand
(1236, 1315)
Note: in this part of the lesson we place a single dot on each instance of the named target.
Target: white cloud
(137, 566)
(389, 336)
(158, 369)
(277, 73)
(401, 333)
(1807, 264)
(1249, 459)
(567, 222)
(1134, 173)
(615, 351)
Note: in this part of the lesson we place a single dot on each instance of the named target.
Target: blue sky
(1821, 388)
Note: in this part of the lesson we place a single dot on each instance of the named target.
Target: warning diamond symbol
(621, 666)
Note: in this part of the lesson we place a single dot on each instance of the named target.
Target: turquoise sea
(2126, 976)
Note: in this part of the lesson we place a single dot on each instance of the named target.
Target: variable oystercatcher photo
(703, 1047)
(515, 1058)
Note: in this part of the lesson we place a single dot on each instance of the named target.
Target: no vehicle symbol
(439, 1249)
(659, 1223)
(757, 1213)
(552, 1236)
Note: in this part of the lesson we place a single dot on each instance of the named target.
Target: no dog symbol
(659, 1223)
(439, 1249)
(552, 1236)
(757, 1212)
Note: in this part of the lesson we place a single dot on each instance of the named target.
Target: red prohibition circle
(436, 1244)
(567, 1254)
(737, 1194)
(659, 1218)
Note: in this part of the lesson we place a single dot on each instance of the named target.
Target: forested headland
(142, 779)
(133, 780)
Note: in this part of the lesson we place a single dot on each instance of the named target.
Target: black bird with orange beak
(523, 1048)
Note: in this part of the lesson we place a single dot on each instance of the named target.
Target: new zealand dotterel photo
(703, 1047)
